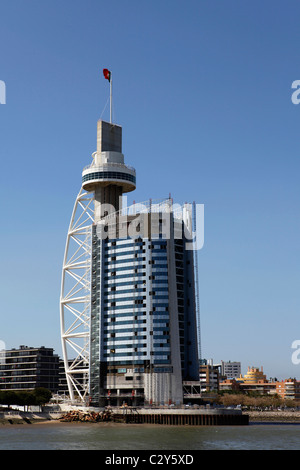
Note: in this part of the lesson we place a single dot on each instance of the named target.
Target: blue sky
(203, 92)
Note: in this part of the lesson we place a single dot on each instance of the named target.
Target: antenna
(110, 99)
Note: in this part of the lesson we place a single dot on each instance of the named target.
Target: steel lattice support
(75, 297)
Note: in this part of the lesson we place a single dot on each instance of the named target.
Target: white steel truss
(75, 297)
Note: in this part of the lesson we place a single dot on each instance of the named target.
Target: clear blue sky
(202, 90)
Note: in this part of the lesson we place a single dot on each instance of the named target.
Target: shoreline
(274, 416)
(255, 417)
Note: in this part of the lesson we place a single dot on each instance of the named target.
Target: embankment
(274, 416)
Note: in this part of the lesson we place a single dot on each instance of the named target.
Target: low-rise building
(229, 385)
(253, 375)
(28, 368)
(288, 388)
(230, 369)
(256, 381)
(209, 377)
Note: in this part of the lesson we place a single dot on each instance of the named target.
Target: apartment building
(27, 368)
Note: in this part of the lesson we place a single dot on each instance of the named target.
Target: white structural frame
(75, 298)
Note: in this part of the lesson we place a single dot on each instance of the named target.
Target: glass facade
(143, 333)
(136, 328)
(135, 303)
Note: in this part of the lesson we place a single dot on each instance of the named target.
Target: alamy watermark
(168, 221)
(2, 92)
(296, 353)
(296, 94)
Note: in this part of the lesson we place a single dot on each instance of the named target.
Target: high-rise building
(128, 303)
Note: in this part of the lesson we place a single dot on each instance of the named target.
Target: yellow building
(253, 376)
(254, 381)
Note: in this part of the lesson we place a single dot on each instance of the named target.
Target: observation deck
(108, 173)
(108, 167)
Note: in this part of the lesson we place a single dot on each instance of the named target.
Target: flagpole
(108, 76)
(110, 98)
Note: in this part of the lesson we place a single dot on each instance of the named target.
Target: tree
(8, 398)
(41, 395)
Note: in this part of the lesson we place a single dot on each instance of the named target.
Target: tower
(128, 312)
(108, 177)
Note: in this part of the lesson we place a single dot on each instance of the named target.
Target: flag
(107, 74)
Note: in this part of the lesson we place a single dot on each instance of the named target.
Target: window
(109, 175)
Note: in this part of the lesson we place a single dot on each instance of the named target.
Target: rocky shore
(274, 416)
(86, 416)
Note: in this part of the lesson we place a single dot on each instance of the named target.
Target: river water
(139, 437)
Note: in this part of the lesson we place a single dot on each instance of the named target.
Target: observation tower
(107, 176)
(128, 304)
(103, 183)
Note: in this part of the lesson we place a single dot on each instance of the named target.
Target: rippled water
(108, 436)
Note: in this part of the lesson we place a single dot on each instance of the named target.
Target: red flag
(107, 74)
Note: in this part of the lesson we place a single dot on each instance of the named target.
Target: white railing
(94, 167)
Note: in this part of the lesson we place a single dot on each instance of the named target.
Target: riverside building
(27, 368)
(230, 369)
(128, 300)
